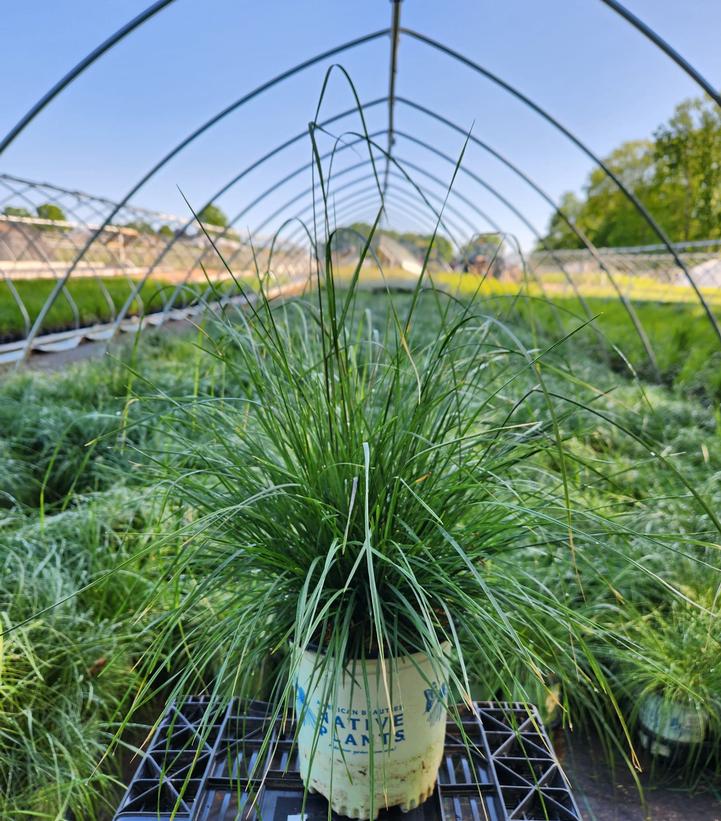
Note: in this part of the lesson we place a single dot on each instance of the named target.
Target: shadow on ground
(603, 795)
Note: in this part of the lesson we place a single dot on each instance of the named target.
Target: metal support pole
(395, 36)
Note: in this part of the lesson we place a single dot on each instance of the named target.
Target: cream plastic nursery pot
(363, 750)
(668, 726)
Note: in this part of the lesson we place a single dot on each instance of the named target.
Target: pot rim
(401, 661)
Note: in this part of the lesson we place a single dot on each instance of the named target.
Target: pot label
(352, 729)
(436, 702)
(673, 722)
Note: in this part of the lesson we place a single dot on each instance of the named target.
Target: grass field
(669, 324)
(78, 500)
(685, 347)
(90, 306)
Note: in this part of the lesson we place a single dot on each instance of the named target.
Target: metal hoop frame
(395, 32)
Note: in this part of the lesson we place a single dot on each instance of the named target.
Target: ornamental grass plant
(379, 481)
(672, 680)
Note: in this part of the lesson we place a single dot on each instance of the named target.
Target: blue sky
(575, 57)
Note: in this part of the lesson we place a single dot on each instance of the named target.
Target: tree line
(211, 216)
(676, 174)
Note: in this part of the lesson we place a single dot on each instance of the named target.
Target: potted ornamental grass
(673, 678)
(357, 485)
(354, 498)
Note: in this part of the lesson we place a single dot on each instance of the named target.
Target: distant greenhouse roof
(396, 254)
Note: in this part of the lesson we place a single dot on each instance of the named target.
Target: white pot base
(421, 799)
(362, 812)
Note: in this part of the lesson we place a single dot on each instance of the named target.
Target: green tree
(560, 234)
(50, 211)
(14, 211)
(166, 232)
(607, 216)
(212, 215)
(688, 165)
(677, 176)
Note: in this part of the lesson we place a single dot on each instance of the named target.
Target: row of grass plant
(91, 301)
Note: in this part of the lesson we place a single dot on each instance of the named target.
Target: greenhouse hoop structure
(131, 262)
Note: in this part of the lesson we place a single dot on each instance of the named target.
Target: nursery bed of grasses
(685, 345)
(90, 303)
(77, 501)
(686, 348)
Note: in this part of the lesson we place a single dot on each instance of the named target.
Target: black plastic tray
(196, 769)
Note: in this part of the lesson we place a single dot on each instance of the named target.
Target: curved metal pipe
(419, 169)
(469, 203)
(630, 310)
(522, 175)
(450, 124)
(420, 219)
(310, 191)
(666, 47)
(279, 78)
(373, 189)
(423, 220)
(632, 198)
(456, 194)
(30, 242)
(247, 170)
(403, 197)
(368, 195)
(88, 60)
(400, 198)
(294, 199)
(234, 220)
(530, 227)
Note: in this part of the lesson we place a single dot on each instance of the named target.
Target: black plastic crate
(499, 766)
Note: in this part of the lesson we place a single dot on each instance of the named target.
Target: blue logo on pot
(435, 702)
(303, 712)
